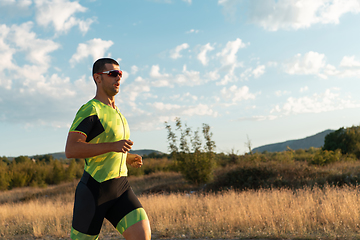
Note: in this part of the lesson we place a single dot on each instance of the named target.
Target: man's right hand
(123, 146)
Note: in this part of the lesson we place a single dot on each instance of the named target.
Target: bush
(196, 167)
(4, 176)
(196, 164)
(347, 140)
(247, 178)
(23, 171)
(325, 157)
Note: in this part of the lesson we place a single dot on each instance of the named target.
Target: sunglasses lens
(115, 73)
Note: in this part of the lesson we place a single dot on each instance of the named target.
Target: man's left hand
(134, 160)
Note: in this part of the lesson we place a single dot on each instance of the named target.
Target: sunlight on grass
(330, 213)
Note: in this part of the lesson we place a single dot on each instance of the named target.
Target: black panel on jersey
(91, 126)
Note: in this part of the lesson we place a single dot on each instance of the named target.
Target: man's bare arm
(77, 147)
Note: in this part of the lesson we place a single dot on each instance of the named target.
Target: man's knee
(138, 231)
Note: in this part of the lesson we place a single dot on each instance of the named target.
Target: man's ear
(97, 78)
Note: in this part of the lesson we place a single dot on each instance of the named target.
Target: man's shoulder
(89, 107)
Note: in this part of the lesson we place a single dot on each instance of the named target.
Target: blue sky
(267, 71)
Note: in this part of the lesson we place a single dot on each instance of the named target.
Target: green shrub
(195, 162)
(196, 167)
(345, 139)
(4, 176)
(325, 157)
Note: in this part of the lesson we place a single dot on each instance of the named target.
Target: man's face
(110, 85)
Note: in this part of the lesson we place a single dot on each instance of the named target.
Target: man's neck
(110, 101)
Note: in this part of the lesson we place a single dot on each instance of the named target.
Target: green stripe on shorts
(76, 235)
(131, 218)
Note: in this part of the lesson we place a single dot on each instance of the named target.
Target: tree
(196, 163)
(172, 141)
(22, 159)
(347, 140)
(248, 144)
(4, 176)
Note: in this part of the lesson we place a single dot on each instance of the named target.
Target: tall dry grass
(329, 213)
(319, 213)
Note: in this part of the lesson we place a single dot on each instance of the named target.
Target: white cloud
(228, 55)
(229, 9)
(311, 63)
(186, 97)
(246, 74)
(272, 64)
(280, 93)
(95, 48)
(60, 13)
(330, 70)
(349, 62)
(167, 112)
(199, 110)
(324, 102)
(125, 76)
(175, 53)
(304, 89)
(188, 1)
(213, 75)
(165, 106)
(130, 92)
(21, 39)
(258, 118)
(230, 76)
(134, 69)
(250, 72)
(236, 94)
(188, 78)
(55, 87)
(162, 80)
(85, 88)
(202, 55)
(36, 49)
(155, 72)
(258, 71)
(296, 14)
(192, 31)
(190, 96)
(6, 51)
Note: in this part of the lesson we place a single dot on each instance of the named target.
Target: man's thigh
(126, 212)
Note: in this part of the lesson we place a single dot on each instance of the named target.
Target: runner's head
(99, 65)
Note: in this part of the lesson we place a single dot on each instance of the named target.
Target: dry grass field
(329, 213)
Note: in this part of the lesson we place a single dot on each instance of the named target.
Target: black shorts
(113, 199)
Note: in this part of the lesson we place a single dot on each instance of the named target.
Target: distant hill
(316, 141)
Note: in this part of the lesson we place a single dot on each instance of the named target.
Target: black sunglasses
(112, 73)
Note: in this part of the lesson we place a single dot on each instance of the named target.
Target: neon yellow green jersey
(101, 123)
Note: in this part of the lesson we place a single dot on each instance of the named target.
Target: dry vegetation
(328, 213)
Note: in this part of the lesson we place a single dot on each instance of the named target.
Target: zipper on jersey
(122, 155)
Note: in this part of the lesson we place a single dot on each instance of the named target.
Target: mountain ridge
(316, 140)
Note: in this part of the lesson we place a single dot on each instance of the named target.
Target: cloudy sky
(266, 70)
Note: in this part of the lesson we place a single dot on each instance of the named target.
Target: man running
(100, 134)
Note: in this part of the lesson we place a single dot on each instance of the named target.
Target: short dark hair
(99, 65)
